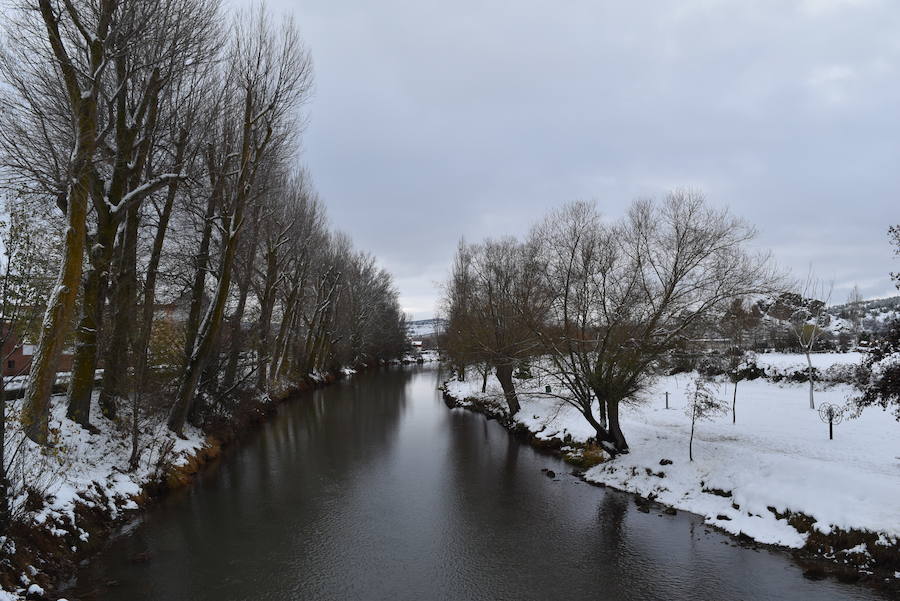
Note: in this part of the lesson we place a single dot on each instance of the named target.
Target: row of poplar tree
(158, 141)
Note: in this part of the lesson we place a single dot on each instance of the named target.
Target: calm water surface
(373, 489)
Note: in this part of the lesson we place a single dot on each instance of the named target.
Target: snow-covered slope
(424, 327)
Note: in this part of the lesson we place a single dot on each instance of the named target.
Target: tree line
(158, 224)
(600, 303)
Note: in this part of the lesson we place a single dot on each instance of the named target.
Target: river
(373, 489)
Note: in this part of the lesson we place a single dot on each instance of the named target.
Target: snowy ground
(15, 383)
(426, 356)
(85, 468)
(777, 455)
(820, 361)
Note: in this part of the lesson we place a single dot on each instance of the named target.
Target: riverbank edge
(817, 558)
(58, 554)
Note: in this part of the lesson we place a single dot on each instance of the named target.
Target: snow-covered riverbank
(773, 476)
(69, 497)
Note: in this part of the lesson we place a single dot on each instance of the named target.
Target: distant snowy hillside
(872, 315)
(425, 327)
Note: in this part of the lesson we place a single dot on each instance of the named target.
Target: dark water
(373, 489)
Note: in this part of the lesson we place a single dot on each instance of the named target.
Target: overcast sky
(435, 120)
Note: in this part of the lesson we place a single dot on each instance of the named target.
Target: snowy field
(777, 455)
(820, 361)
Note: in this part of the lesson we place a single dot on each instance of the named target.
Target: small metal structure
(831, 415)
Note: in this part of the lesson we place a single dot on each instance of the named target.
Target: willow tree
(626, 293)
(485, 296)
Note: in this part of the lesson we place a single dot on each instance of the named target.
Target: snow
(777, 455)
(91, 469)
(830, 367)
(424, 327)
(820, 361)
(429, 356)
(14, 383)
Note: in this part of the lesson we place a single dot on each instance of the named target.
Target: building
(18, 354)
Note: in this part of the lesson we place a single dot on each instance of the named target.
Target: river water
(373, 489)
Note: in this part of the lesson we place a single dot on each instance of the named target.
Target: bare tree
(307, 244)
(486, 297)
(809, 320)
(271, 74)
(740, 318)
(702, 403)
(76, 40)
(625, 294)
(855, 311)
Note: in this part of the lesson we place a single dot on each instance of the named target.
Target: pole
(830, 429)
(667, 400)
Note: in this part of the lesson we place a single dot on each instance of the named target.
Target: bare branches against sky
(433, 121)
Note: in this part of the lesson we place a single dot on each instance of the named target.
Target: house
(18, 354)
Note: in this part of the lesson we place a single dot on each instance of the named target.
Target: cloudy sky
(436, 120)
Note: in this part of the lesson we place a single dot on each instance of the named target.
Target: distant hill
(769, 321)
(874, 308)
(425, 327)
(873, 316)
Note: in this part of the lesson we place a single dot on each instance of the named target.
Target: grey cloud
(437, 120)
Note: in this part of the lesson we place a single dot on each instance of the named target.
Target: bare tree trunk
(265, 317)
(601, 412)
(116, 362)
(198, 287)
(237, 330)
(809, 372)
(600, 429)
(84, 362)
(734, 404)
(691, 441)
(484, 378)
(141, 352)
(206, 337)
(4, 480)
(209, 330)
(236, 342)
(149, 296)
(61, 306)
(283, 339)
(129, 163)
(615, 429)
(504, 375)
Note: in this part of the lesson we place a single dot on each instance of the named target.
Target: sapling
(703, 403)
(809, 321)
(738, 365)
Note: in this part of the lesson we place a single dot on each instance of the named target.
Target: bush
(880, 374)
